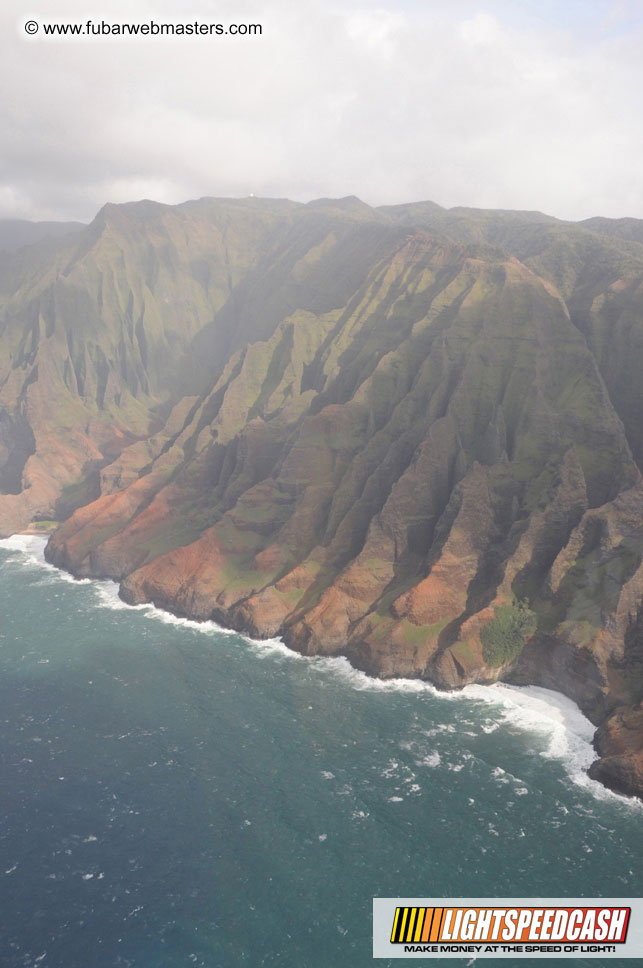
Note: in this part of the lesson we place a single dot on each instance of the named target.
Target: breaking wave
(567, 732)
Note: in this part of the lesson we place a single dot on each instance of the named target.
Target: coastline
(527, 706)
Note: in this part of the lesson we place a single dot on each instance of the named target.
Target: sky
(515, 104)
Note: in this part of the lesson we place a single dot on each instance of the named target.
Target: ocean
(173, 794)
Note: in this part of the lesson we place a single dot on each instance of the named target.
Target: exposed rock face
(404, 435)
(620, 744)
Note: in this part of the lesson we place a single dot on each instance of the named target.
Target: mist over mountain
(408, 435)
(15, 233)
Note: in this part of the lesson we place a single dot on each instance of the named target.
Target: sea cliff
(406, 435)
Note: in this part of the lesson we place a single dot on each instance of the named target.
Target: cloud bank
(497, 104)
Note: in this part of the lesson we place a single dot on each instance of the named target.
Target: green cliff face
(407, 435)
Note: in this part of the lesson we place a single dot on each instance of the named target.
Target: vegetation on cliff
(504, 637)
(375, 432)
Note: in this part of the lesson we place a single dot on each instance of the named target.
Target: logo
(508, 928)
(525, 925)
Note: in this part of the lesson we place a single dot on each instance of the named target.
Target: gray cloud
(496, 104)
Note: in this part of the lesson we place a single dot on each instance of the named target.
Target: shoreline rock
(618, 739)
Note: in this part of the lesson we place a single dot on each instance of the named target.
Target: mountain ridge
(406, 435)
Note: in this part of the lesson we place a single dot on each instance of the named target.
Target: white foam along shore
(530, 708)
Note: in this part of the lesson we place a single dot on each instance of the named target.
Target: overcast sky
(531, 104)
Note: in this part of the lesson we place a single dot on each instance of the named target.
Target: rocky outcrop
(619, 741)
(395, 435)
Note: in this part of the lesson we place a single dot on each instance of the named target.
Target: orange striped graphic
(438, 918)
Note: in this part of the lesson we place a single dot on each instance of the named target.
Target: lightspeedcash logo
(532, 928)
(454, 925)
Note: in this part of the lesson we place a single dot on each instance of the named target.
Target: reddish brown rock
(619, 742)
(366, 431)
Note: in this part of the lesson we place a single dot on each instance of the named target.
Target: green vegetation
(419, 634)
(504, 636)
(42, 527)
(375, 398)
(463, 653)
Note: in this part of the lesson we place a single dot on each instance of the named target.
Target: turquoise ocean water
(175, 795)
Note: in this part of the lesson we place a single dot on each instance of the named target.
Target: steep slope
(103, 333)
(404, 435)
